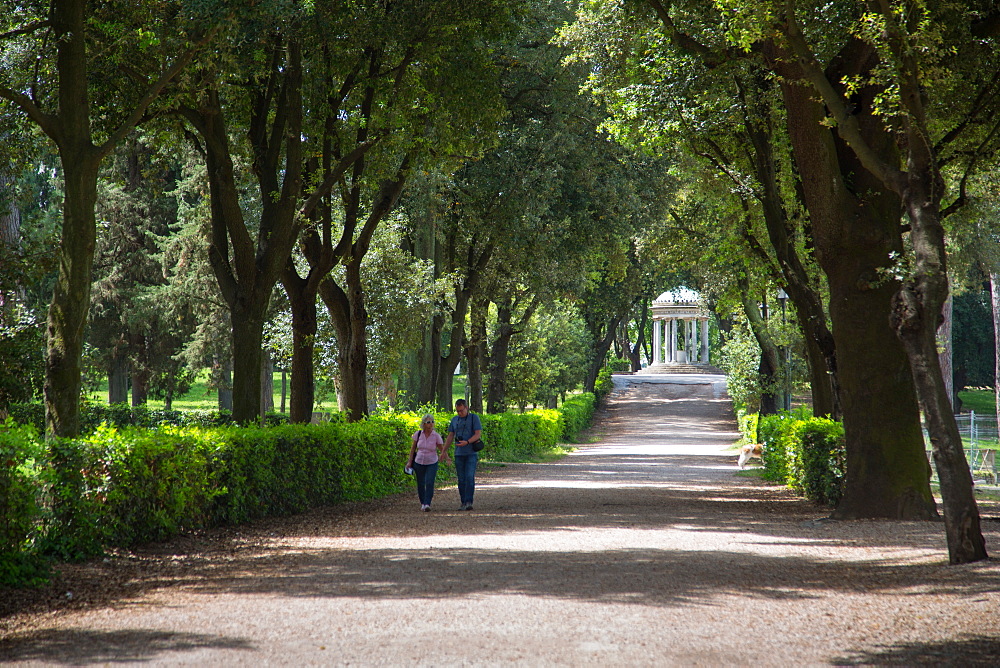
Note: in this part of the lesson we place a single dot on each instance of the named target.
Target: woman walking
(427, 449)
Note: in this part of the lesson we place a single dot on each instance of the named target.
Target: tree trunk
(821, 379)
(350, 318)
(10, 233)
(118, 377)
(266, 384)
(633, 354)
(995, 303)
(302, 301)
(456, 345)
(601, 349)
(804, 296)
(855, 224)
(474, 355)
(945, 350)
(224, 381)
(248, 335)
(769, 359)
(67, 317)
(916, 316)
(284, 389)
(140, 368)
(496, 397)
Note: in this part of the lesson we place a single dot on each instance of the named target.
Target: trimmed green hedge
(801, 451)
(577, 412)
(70, 499)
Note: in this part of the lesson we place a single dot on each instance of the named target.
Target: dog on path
(749, 451)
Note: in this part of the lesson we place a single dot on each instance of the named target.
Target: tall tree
(892, 38)
(854, 222)
(52, 84)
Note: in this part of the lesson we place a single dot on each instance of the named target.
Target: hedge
(801, 451)
(119, 487)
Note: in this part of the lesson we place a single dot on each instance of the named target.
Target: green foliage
(123, 486)
(19, 452)
(520, 436)
(93, 415)
(740, 359)
(22, 352)
(804, 452)
(822, 459)
(577, 412)
(604, 385)
(747, 425)
(973, 343)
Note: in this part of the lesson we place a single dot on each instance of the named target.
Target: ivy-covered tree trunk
(70, 304)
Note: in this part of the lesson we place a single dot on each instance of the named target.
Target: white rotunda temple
(680, 328)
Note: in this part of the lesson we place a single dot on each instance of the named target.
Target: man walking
(464, 428)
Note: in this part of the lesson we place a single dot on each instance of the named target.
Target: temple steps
(680, 368)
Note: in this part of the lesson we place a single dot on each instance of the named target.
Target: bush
(123, 486)
(822, 456)
(577, 412)
(20, 512)
(805, 453)
(603, 385)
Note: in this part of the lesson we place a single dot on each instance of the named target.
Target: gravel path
(645, 548)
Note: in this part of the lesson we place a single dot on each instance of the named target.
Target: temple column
(704, 341)
(689, 356)
(657, 330)
(673, 340)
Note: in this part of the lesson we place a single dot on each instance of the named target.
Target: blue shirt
(464, 428)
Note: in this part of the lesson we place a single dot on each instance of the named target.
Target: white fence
(980, 437)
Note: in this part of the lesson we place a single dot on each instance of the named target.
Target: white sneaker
(425, 508)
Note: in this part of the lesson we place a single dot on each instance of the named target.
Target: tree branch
(153, 91)
(31, 27)
(847, 124)
(45, 121)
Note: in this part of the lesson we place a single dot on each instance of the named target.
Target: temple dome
(679, 296)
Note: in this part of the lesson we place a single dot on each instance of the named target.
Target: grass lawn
(981, 401)
(201, 397)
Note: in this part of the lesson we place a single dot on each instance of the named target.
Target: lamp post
(787, 399)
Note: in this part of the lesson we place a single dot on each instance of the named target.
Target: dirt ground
(645, 548)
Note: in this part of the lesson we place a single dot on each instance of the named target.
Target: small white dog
(748, 452)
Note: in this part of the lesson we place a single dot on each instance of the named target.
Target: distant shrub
(577, 412)
(603, 385)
